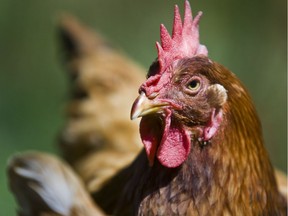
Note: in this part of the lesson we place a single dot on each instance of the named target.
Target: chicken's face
(180, 100)
(181, 104)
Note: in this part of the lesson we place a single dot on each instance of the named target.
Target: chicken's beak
(144, 106)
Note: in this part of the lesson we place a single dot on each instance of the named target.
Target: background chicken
(98, 138)
(45, 185)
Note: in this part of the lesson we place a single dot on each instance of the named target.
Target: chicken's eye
(194, 85)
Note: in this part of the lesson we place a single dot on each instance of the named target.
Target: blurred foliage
(248, 37)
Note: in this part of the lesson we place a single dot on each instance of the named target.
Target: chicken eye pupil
(194, 85)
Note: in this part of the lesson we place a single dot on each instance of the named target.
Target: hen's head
(182, 97)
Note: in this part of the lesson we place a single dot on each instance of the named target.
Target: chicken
(98, 138)
(204, 151)
(46, 186)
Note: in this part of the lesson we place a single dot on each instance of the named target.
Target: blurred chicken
(98, 138)
(45, 185)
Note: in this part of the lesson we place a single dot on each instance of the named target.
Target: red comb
(184, 41)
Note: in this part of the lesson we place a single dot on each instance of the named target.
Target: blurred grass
(249, 37)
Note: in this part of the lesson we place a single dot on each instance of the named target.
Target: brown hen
(204, 151)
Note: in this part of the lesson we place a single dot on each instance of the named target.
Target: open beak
(144, 106)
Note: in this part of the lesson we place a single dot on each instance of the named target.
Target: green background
(248, 37)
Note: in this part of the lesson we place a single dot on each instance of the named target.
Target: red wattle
(170, 144)
(175, 144)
